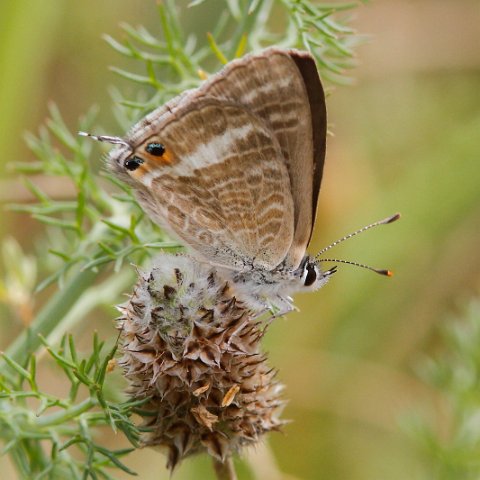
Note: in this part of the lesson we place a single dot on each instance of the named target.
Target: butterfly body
(264, 289)
(233, 169)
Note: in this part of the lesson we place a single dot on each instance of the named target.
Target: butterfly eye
(311, 275)
(155, 149)
(133, 163)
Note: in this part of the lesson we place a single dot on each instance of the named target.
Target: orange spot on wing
(166, 159)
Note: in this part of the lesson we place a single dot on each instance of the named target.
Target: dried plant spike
(191, 347)
(230, 395)
(201, 390)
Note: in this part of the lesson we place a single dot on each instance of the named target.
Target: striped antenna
(387, 273)
(385, 221)
(107, 139)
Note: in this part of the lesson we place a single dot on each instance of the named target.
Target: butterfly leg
(279, 308)
(285, 305)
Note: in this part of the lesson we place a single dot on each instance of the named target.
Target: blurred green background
(406, 138)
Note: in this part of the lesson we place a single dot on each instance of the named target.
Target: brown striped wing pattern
(283, 88)
(227, 192)
(242, 168)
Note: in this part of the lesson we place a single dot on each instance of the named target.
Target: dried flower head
(194, 350)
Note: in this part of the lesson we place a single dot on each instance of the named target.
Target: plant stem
(50, 316)
(98, 294)
(224, 470)
(63, 416)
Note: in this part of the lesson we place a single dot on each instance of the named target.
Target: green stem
(38, 460)
(20, 460)
(99, 294)
(50, 316)
(63, 416)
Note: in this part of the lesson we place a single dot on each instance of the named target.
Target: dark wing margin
(316, 96)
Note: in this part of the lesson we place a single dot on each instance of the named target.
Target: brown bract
(191, 347)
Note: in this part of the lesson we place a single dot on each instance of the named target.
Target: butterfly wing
(251, 192)
(220, 186)
(283, 88)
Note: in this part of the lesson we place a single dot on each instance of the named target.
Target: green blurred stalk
(51, 315)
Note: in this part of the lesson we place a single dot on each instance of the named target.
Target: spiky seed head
(194, 350)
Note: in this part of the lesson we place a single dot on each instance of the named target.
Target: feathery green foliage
(40, 429)
(450, 443)
(96, 228)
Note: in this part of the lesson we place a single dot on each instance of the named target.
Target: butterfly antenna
(107, 139)
(387, 273)
(385, 221)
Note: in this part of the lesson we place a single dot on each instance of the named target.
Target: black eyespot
(133, 163)
(311, 275)
(155, 149)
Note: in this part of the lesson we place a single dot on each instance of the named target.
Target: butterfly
(233, 170)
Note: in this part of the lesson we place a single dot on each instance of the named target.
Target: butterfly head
(310, 274)
(145, 162)
(141, 162)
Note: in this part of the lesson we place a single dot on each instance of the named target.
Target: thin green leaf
(113, 458)
(56, 222)
(17, 367)
(140, 79)
(216, 50)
